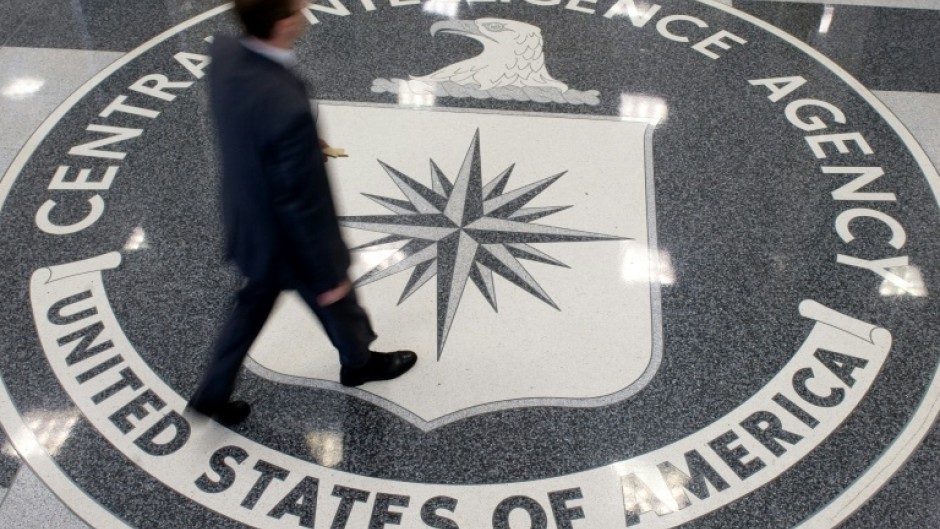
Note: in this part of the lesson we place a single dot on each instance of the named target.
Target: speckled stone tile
(896, 66)
(9, 462)
(33, 82)
(909, 500)
(29, 114)
(30, 505)
(13, 13)
(921, 114)
(6, 157)
(895, 4)
(101, 24)
(29, 72)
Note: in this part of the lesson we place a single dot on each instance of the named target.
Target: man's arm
(302, 198)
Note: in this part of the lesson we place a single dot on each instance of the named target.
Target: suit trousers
(345, 323)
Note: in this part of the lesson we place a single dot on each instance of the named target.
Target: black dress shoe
(229, 414)
(381, 366)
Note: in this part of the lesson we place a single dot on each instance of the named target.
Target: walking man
(280, 221)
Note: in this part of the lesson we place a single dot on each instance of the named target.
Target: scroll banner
(145, 419)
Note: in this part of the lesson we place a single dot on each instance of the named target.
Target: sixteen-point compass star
(463, 230)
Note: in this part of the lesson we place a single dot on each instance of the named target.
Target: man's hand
(331, 152)
(334, 152)
(332, 296)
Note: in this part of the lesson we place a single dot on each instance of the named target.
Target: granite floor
(699, 290)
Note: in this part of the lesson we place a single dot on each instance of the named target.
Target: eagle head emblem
(512, 55)
(510, 67)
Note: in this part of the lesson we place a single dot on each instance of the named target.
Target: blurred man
(280, 222)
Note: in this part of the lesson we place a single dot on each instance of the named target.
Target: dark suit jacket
(280, 221)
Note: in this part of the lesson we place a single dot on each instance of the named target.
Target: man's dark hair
(259, 16)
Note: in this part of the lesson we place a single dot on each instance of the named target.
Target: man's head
(278, 22)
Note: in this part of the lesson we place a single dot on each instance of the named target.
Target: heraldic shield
(515, 253)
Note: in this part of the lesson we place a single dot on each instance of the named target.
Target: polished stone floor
(698, 287)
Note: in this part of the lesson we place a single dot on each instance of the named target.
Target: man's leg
(253, 304)
(347, 325)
